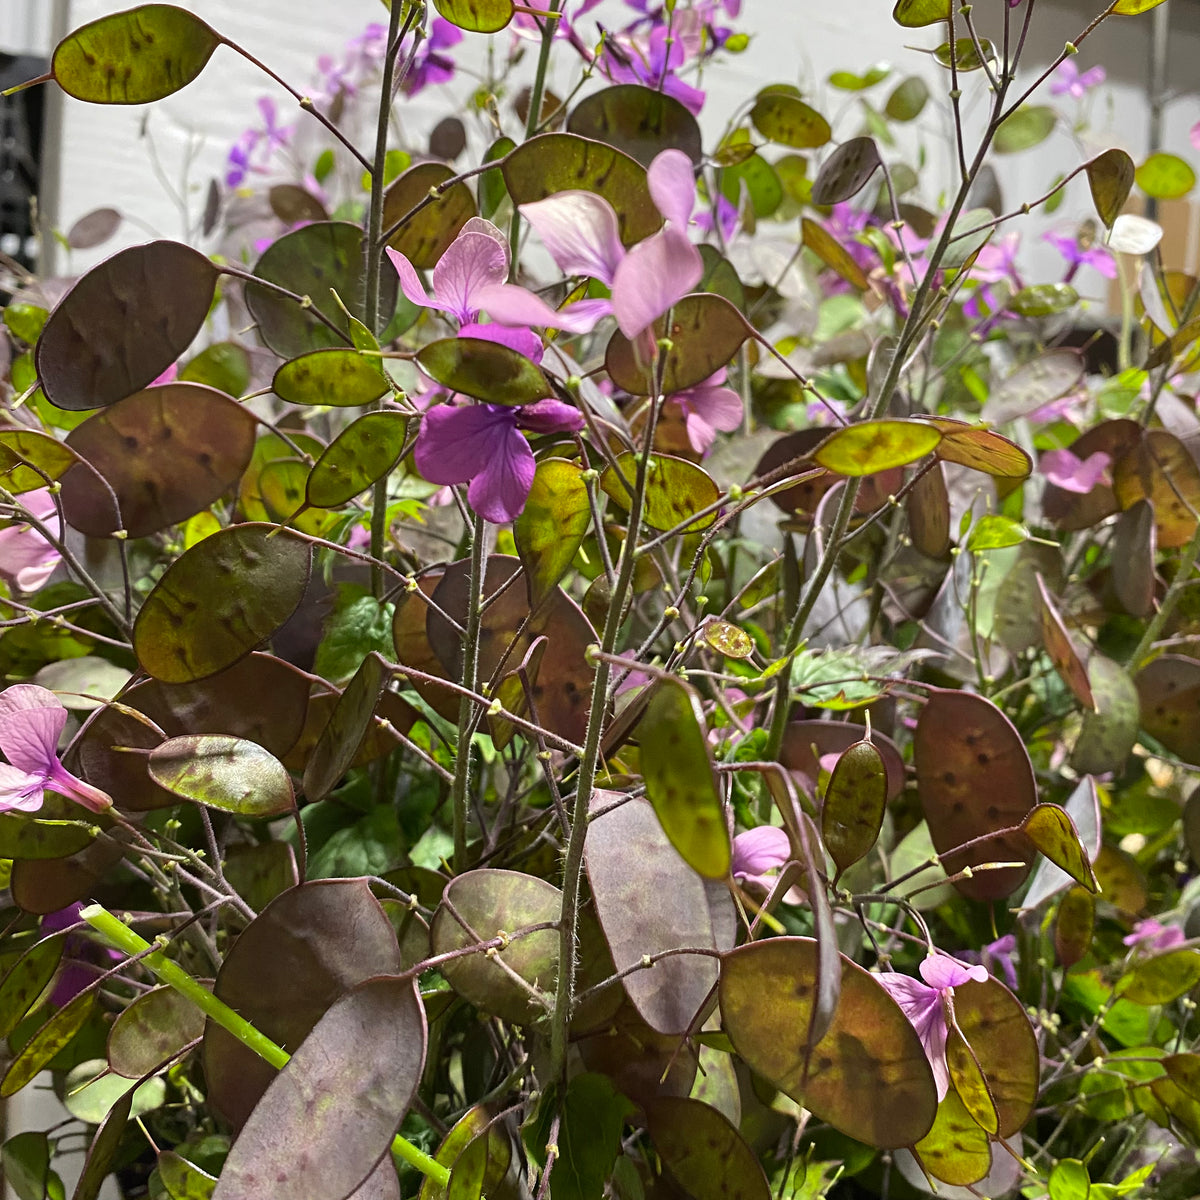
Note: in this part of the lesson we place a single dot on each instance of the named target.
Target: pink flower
(1068, 81)
(1194, 135)
(580, 231)
(1151, 935)
(757, 856)
(1067, 471)
(31, 722)
(470, 277)
(27, 558)
(924, 1004)
(709, 408)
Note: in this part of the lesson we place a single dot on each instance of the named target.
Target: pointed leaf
(219, 600)
(478, 1151)
(1083, 807)
(103, 1149)
(339, 376)
(640, 121)
(329, 1117)
(871, 446)
(26, 980)
(846, 171)
(123, 324)
(1110, 176)
(1052, 831)
(868, 1077)
(855, 798)
(1062, 650)
(967, 1077)
(965, 54)
(680, 781)
(979, 448)
(361, 454)
(348, 725)
(552, 526)
(55, 1035)
(134, 57)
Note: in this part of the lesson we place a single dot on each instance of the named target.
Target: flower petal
(758, 850)
(31, 722)
(652, 277)
(19, 792)
(509, 304)
(61, 780)
(410, 283)
(922, 1006)
(1066, 470)
(550, 416)
(941, 971)
(471, 262)
(456, 444)
(580, 230)
(523, 341)
(672, 186)
(498, 493)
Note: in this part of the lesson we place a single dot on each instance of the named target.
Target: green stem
(171, 973)
(1183, 572)
(460, 792)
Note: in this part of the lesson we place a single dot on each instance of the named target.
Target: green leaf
(26, 980)
(424, 237)
(1044, 299)
(637, 120)
(727, 639)
(27, 1167)
(357, 625)
(151, 1031)
(871, 446)
(589, 1138)
(486, 370)
(361, 454)
(552, 526)
(1030, 125)
(226, 773)
(1165, 177)
(1110, 731)
(1074, 925)
(847, 81)
(223, 365)
(1161, 978)
(338, 376)
(1069, 1180)
(787, 120)
(476, 1147)
(476, 16)
(762, 184)
(28, 459)
(908, 99)
(994, 532)
(24, 836)
(1110, 176)
(855, 799)
(965, 55)
(492, 188)
(680, 781)
(832, 253)
(134, 57)
(915, 14)
(980, 448)
(25, 321)
(92, 1091)
(675, 489)
(956, 1149)
(184, 1180)
(55, 1035)
(703, 1151)
(1052, 831)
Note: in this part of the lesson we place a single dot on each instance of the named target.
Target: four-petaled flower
(708, 408)
(1152, 936)
(470, 278)
(581, 232)
(1068, 471)
(31, 722)
(924, 1004)
(1069, 82)
(26, 557)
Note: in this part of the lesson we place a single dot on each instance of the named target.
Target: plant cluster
(647, 669)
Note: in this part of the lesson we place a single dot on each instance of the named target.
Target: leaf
(1066, 659)
(639, 121)
(348, 725)
(1050, 828)
(551, 528)
(364, 452)
(1165, 176)
(486, 370)
(995, 532)
(1131, 234)
(559, 162)
(1083, 807)
(967, 1077)
(1029, 126)
(1160, 978)
(1071, 511)
(980, 449)
(1109, 732)
(846, 171)
(1044, 300)
(339, 377)
(478, 1151)
(752, 175)
(134, 57)
(928, 509)
(167, 453)
(123, 324)
(1133, 556)
(1169, 694)
(1034, 384)
(226, 773)
(1110, 176)
(965, 54)
(974, 777)
(868, 1077)
(475, 908)
(855, 798)
(93, 229)
(727, 639)
(650, 902)
(309, 946)
(704, 1153)
(54, 1035)
(313, 261)
(706, 332)
(220, 600)
(151, 1031)
(425, 237)
(1160, 469)
(787, 120)
(328, 1118)
(956, 1150)
(870, 446)
(182, 1179)
(24, 836)
(832, 253)
(1074, 926)
(675, 489)
(49, 456)
(1069, 1180)
(476, 16)
(915, 14)
(27, 1170)
(680, 781)
(105, 1144)
(847, 81)
(909, 97)
(26, 980)
(223, 365)
(806, 742)
(593, 1115)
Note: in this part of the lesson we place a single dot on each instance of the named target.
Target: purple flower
(430, 64)
(579, 229)
(31, 722)
(26, 558)
(651, 61)
(1194, 135)
(924, 1004)
(708, 408)
(757, 856)
(482, 445)
(1097, 256)
(260, 143)
(1151, 935)
(83, 959)
(1067, 471)
(995, 954)
(1068, 81)
(470, 276)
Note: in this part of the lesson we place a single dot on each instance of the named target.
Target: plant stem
(460, 792)
(1187, 563)
(171, 973)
